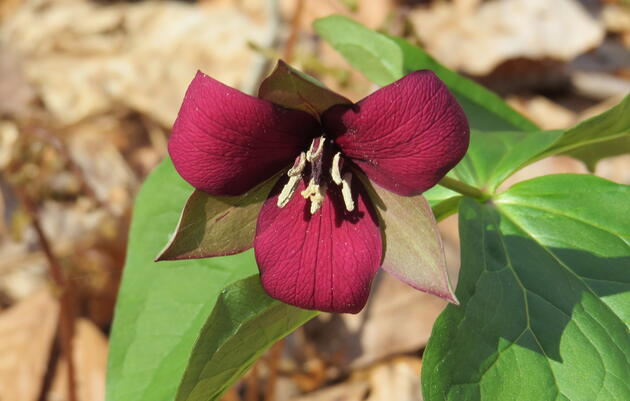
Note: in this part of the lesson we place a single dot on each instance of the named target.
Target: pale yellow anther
(314, 154)
(297, 169)
(335, 170)
(288, 190)
(315, 193)
(346, 191)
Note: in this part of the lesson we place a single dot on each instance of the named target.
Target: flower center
(315, 191)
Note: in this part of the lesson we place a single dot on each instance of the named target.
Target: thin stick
(66, 319)
(295, 29)
(252, 384)
(270, 40)
(275, 355)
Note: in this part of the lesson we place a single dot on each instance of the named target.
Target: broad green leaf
(545, 297)
(217, 226)
(244, 323)
(414, 252)
(485, 109)
(291, 88)
(493, 156)
(372, 53)
(607, 134)
(384, 59)
(162, 306)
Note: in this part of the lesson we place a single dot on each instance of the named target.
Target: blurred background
(88, 93)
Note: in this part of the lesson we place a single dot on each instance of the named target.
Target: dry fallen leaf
(90, 363)
(478, 39)
(544, 112)
(349, 391)
(398, 379)
(27, 331)
(16, 94)
(126, 54)
(103, 167)
(397, 319)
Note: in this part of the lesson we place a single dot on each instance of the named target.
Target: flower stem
(464, 189)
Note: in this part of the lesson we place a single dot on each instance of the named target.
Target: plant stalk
(464, 189)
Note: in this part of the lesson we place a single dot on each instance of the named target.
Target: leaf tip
(162, 256)
(451, 298)
(446, 294)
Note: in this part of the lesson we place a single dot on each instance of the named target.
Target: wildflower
(318, 240)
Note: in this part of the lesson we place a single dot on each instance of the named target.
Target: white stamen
(346, 192)
(312, 155)
(315, 193)
(298, 166)
(288, 190)
(335, 171)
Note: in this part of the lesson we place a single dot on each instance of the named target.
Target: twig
(274, 362)
(252, 384)
(295, 29)
(66, 318)
(270, 40)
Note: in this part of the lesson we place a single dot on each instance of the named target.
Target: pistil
(316, 194)
(316, 149)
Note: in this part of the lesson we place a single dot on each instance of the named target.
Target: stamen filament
(288, 190)
(346, 191)
(298, 165)
(335, 171)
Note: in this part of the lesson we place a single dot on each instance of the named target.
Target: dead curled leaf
(503, 30)
(123, 54)
(397, 320)
(90, 359)
(27, 331)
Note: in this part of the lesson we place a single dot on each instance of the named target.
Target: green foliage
(384, 59)
(494, 156)
(245, 322)
(607, 134)
(544, 285)
(545, 302)
(374, 54)
(443, 201)
(544, 280)
(163, 307)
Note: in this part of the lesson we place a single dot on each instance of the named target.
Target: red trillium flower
(319, 240)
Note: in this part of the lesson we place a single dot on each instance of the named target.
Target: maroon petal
(406, 136)
(324, 261)
(224, 142)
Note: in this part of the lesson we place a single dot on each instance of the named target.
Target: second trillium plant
(334, 186)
